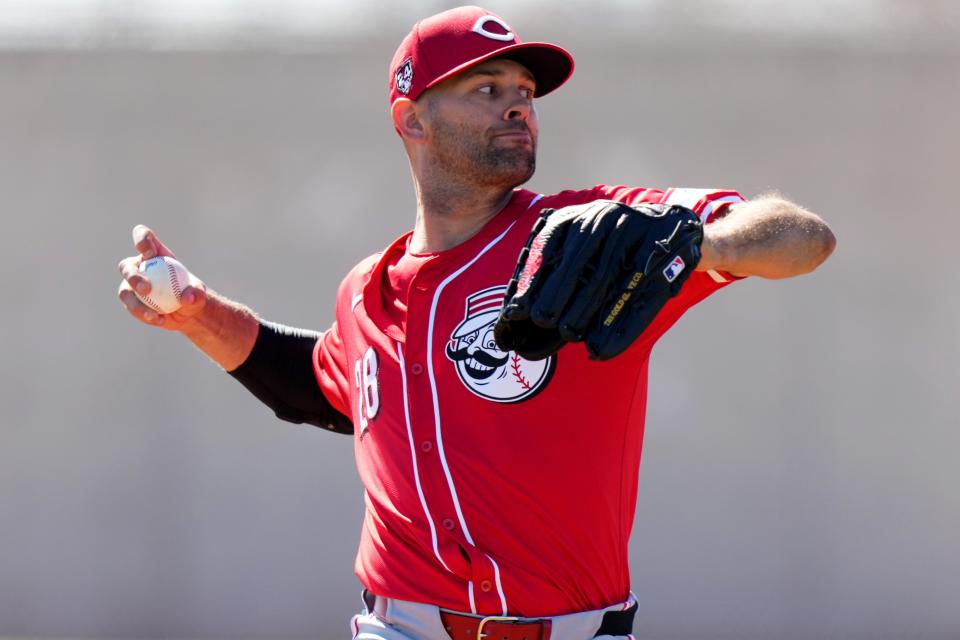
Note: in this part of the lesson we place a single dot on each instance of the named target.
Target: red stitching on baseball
(174, 281)
(515, 365)
(150, 303)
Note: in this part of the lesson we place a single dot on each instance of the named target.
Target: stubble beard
(473, 156)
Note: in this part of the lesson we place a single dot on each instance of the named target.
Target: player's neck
(448, 217)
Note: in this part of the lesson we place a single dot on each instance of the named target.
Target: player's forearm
(224, 330)
(767, 237)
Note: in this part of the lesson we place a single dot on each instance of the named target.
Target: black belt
(464, 626)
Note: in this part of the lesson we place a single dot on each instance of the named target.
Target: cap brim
(550, 65)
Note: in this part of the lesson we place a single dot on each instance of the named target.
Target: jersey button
(485, 586)
(416, 369)
(448, 524)
(426, 446)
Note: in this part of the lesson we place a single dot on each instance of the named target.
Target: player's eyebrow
(495, 73)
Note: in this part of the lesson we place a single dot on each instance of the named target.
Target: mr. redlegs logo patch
(500, 376)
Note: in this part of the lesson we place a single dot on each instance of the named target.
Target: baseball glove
(597, 273)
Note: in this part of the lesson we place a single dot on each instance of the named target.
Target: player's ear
(406, 119)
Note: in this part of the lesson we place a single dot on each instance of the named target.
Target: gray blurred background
(799, 476)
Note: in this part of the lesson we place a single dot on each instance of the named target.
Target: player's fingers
(136, 308)
(144, 240)
(193, 299)
(130, 270)
(147, 243)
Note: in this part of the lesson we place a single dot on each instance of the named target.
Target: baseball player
(500, 486)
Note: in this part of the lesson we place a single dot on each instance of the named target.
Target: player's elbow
(828, 242)
(810, 237)
(819, 242)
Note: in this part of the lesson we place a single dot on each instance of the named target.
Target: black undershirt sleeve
(279, 371)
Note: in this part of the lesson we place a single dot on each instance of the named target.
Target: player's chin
(512, 177)
(519, 164)
(506, 167)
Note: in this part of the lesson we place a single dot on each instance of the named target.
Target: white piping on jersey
(433, 381)
(413, 457)
(708, 210)
(357, 297)
(436, 405)
(433, 390)
(716, 275)
(496, 578)
(690, 198)
(711, 206)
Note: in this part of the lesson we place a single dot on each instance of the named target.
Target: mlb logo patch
(674, 269)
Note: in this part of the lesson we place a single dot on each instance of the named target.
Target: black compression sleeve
(279, 371)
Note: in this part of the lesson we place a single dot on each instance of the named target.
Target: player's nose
(519, 110)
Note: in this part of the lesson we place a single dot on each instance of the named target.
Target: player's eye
(527, 93)
(486, 89)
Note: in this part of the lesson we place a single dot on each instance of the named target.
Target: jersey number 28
(365, 371)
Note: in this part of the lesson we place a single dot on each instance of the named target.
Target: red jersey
(493, 484)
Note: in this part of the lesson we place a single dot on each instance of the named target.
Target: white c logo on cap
(481, 23)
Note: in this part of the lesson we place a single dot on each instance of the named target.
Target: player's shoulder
(709, 203)
(360, 272)
(620, 193)
(353, 284)
(571, 197)
(359, 276)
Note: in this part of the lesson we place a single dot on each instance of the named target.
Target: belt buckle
(481, 635)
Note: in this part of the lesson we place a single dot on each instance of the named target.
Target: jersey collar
(441, 263)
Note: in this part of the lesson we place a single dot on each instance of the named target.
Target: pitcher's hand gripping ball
(168, 278)
(597, 273)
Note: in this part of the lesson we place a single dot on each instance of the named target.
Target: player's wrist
(713, 251)
(224, 330)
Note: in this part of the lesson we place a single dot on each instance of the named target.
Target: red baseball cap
(450, 42)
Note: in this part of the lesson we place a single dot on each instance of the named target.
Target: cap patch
(404, 76)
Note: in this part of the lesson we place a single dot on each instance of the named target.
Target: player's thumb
(193, 298)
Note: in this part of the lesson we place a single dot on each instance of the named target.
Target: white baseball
(168, 278)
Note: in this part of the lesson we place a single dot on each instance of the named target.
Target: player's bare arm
(224, 330)
(768, 237)
(273, 361)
